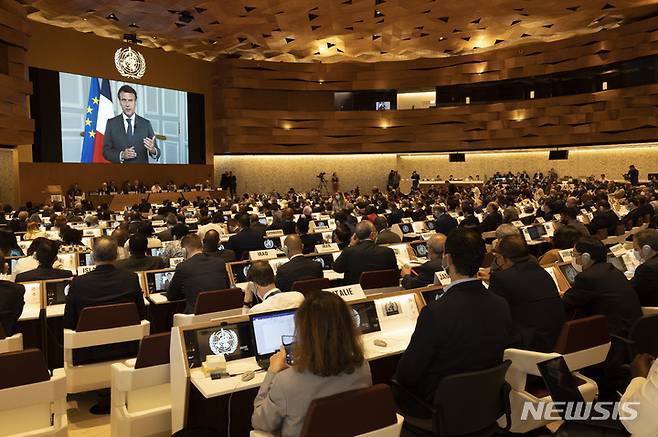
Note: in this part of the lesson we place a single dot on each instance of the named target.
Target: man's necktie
(130, 128)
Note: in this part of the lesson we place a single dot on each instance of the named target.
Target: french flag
(105, 112)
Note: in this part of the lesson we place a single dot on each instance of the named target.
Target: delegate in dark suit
(194, 275)
(467, 329)
(387, 236)
(299, 268)
(116, 140)
(141, 263)
(11, 305)
(244, 241)
(43, 274)
(602, 289)
(535, 304)
(363, 257)
(445, 223)
(104, 285)
(425, 275)
(645, 282)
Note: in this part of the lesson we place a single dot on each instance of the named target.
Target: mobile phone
(288, 342)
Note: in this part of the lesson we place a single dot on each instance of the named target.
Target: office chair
(643, 336)
(466, 405)
(380, 279)
(12, 343)
(309, 285)
(212, 305)
(141, 393)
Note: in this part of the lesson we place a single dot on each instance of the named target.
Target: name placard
(191, 220)
(257, 255)
(566, 255)
(173, 262)
(618, 250)
(540, 220)
(274, 233)
(348, 292)
(326, 248)
(518, 223)
(442, 277)
(158, 222)
(407, 220)
(85, 269)
(427, 235)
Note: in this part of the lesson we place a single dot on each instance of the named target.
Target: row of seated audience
(467, 328)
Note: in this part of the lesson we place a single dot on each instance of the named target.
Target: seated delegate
(328, 359)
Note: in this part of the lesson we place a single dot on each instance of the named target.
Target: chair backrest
(644, 333)
(22, 368)
(2, 332)
(580, 334)
(219, 300)
(380, 279)
(309, 285)
(107, 316)
(153, 350)
(470, 402)
(361, 411)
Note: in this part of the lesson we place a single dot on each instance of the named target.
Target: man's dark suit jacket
(602, 289)
(387, 236)
(197, 274)
(645, 282)
(12, 301)
(105, 285)
(470, 222)
(43, 274)
(425, 275)
(491, 222)
(364, 257)
(116, 139)
(309, 241)
(535, 304)
(465, 330)
(297, 269)
(288, 227)
(227, 255)
(140, 263)
(244, 241)
(445, 223)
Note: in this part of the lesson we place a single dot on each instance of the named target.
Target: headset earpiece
(646, 251)
(586, 257)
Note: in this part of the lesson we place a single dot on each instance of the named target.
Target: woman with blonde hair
(328, 359)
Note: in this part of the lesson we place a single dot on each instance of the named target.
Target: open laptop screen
(326, 261)
(268, 328)
(233, 341)
(365, 317)
(159, 281)
(56, 292)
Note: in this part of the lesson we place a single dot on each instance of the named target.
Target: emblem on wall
(130, 63)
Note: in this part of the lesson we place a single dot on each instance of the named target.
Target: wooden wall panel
(34, 177)
(16, 127)
(299, 124)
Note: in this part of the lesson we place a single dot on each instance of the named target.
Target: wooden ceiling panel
(338, 30)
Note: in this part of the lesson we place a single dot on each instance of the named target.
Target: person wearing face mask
(199, 272)
(466, 329)
(645, 280)
(299, 267)
(537, 311)
(600, 289)
(263, 289)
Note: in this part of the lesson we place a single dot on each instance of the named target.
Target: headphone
(646, 251)
(587, 258)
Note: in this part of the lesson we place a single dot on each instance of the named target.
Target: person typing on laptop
(327, 359)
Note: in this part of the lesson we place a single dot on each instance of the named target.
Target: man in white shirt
(643, 392)
(261, 289)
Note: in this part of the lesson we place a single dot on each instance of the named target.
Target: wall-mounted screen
(121, 122)
(86, 119)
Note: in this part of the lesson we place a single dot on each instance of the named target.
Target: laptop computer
(563, 388)
(267, 329)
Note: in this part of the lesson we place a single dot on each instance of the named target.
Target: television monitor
(78, 119)
(420, 249)
(326, 261)
(158, 282)
(365, 317)
(406, 228)
(56, 291)
(85, 259)
(234, 341)
(240, 271)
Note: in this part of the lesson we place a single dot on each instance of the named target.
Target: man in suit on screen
(129, 138)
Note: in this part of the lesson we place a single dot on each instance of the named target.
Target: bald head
(211, 241)
(294, 244)
(105, 250)
(435, 246)
(365, 230)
